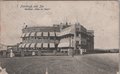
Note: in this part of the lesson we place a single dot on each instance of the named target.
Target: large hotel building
(63, 38)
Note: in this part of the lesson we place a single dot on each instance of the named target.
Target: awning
(65, 44)
(32, 45)
(23, 45)
(52, 45)
(27, 34)
(52, 34)
(38, 45)
(32, 34)
(27, 45)
(23, 35)
(39, 33)
(20, 46)
(45, 45)
(69, 30)
(45, 33)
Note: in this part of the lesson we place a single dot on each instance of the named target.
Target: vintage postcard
(59, 37)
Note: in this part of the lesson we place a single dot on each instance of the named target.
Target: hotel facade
(64, 38)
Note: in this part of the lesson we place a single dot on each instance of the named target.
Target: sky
(100, 16)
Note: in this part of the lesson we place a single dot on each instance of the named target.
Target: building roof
(66, 42)
(41, 29)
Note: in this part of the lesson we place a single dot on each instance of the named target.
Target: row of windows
(82, 42)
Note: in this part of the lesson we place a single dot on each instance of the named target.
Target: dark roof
(41, 29)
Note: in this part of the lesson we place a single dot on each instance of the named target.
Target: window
(77, 42)
(72, 37)
(23, 38)
(77, 29)
(51, 38)
(39, 37)
(66, 52)
(77, 34)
